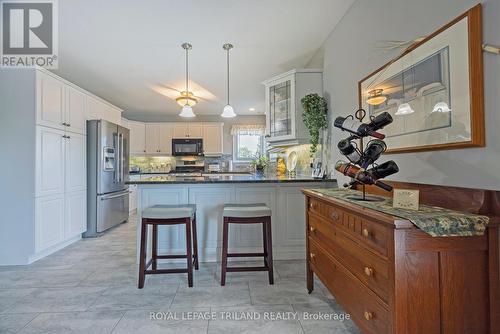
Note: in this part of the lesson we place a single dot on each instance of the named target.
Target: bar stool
(168, 215)
(247, 214)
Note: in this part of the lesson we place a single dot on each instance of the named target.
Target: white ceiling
(129, 53)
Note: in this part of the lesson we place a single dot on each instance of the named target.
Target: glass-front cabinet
(284, 125)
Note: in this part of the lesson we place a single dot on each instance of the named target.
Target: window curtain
(248, 129)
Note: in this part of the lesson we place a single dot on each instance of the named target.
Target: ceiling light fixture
(375, 97)
(404, 109)
(228, 110)
(187, 110)
(251, 109)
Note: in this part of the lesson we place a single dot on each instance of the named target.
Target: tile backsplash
(153, 164)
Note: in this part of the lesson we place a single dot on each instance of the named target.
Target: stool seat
(169, 211)
(246, 210)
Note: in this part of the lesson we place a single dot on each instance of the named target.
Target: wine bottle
(384, 170)
(355, 127)
(372, 152)
(360, 175)
(379, 121)
(347, 148)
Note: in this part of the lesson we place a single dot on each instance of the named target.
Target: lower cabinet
(59, 218)
(49, 221)
(75, 212)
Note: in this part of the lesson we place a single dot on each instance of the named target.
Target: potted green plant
(314, 117)
(259, 163)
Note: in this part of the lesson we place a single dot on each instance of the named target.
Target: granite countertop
(227, 178)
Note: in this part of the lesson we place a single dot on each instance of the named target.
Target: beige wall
(351, 54)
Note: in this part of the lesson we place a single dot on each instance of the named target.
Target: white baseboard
(53, 249)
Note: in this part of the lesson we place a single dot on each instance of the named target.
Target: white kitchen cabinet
(98, 109)
(50, 101)
(181, 130)
(50, 160)
(195, 130)
(75, 212)
(75, 164)
(75, 114)
(132, 199)
(137, 137)
(49, 221)
(152, 138)
(166, 135)
(213, 138)
(284, 124)
(159, 138)
(188, 130)
(124, 123)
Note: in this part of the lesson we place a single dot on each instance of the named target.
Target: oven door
(186, 147)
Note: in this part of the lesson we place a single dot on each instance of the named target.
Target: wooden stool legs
(191, 249)
(267, 248)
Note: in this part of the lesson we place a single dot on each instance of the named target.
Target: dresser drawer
(370, 268)
(335, 215)
(375, 235)
(368, 311)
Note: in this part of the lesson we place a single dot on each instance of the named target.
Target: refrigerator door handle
(117, 158)
(120, 194)
(121, 157)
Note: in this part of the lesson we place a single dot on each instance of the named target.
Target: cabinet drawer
(375, 235)
(371, 269)
(367, 310)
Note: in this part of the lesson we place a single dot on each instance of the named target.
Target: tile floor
(91, 287)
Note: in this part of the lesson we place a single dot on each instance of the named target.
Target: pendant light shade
(441, 107)
(187, 111)
(404, 109)
(186, 99)
(375, 97)
(228, 110)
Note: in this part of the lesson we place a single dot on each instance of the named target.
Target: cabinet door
(50, 101)
(166, 135)
(137, 137)
(75, 212)
(212, 138)
(114, 115)
(75, 110)
(181, 130)
(195, 130)
(95, 109)
(281, 109)
(76, 174)
(124, 123)
(49, 165)
(152, 138)
(132, 200)
(49, 221)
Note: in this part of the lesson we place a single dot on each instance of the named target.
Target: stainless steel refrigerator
(107, 171)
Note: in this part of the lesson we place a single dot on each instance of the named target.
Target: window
(247, 144)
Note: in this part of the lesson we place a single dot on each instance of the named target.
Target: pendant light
(441, 107)
(187, 110)
(228, 110)
(375, 97)
(404, 108)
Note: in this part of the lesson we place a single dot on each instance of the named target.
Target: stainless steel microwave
(187, 146)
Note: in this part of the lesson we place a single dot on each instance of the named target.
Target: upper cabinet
(188, 130)
(284, 125)
(159, 138)
(137, 137)
(97, 109)
(50, 102)
(213, 138)
(156, 138)
(75, 110)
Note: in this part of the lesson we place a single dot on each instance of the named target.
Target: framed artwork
(433, 91)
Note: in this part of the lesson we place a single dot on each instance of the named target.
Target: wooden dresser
(393, 278)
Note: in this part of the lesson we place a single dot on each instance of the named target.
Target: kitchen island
(211, 191)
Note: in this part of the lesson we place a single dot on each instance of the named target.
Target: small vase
(259, 171)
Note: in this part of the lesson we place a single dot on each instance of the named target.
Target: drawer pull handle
(366, 233)
(335, 215)
(368, 315)
(368, 271)
(312, 229)
(312, 255)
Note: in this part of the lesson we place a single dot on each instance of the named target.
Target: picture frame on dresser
(434, 90)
